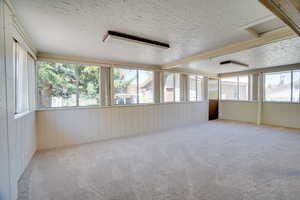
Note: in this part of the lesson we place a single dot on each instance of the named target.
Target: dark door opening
(213, 97)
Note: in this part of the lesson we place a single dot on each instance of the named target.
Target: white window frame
(197, 78)
(238, 88)
(40, 107)
(17, 101)
(137, 85)
(110, 87)
(292, 79)
(292, 86)
(174, 86)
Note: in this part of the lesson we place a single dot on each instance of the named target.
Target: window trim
(40, 107)
(16, 46)
(111, 86)
(297, 70)
(197, 78)
(248, 88)
(137, 85)
(291, 84)
(153, 85)
(238, 88)
(174, 87)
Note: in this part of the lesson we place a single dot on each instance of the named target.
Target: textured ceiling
(275, 54)
(76, 27)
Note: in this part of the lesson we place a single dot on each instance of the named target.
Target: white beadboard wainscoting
(281, 114)
(22, 146)
(24, 141)
(65, 127)
(244, 111)
(19, 129)
(272, 113)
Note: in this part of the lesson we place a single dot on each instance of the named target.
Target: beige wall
(58, 128)
(278, 114)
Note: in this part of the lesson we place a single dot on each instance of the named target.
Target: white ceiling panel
(275, 54)
(76, 27)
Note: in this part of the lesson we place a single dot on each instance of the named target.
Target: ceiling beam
(43, 56)
(286, 10)
(49, 57)
(264, 39)
(296, 3)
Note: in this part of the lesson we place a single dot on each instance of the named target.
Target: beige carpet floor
(216, 160)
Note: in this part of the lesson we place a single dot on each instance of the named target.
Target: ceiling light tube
(136, 39)
(233, 62)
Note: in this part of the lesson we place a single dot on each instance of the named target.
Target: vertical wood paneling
(20, 134)
(4, 154)
(57, 128)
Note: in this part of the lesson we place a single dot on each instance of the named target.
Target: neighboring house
(129, 95)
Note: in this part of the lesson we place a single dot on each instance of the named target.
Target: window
(89, 90)
(171, 87)
(177, 87)
(278, 86)
(199, 88)
(21, 79)
(146, 86)
(296, 86)
(63, 85)
(243, 87)
(195, 88)
(235, 88)
(32, 82)
(282, 86)
(192, 88)
(132, 86)
(229, 88)
(213, 89)
(70, 85)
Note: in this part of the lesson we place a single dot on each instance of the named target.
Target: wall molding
(20, 30)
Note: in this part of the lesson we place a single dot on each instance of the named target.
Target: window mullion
(28, 85)
(220, 89)
(100, 95)
(77, 85)
(196, 87)
(238, 87)
(174, 87)
(137, 86)
(249, 83)
(292, 85)
(111, 88)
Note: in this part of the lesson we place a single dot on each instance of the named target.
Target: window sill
(114, 106)
(281, 102)
(21, 115)
(246, 101)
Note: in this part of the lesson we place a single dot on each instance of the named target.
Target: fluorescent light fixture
(136, 39)
(232, 62)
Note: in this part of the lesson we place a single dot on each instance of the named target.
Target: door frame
(215, 101)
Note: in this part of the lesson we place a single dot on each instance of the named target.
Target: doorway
(213, 97)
